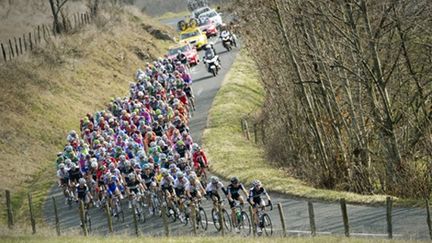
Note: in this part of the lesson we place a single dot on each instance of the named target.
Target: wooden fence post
(165, 220)
(311, 218)
(16, 46)
(109, 219)
(82, 19)
(82, 216)
(389, 217)
(75, 21)
(135, 219)
(25, 42)
(345, 217)
(255, 133)
(57, 224)
(428, 218)
(247, 130)
(252, 220)
(193, 216)
(282, 218)
(4, 52)
(11, 53)
(20, 45)
(9, 209)
(263, 132)
(32, 220)
(39, 34)
(30, 40)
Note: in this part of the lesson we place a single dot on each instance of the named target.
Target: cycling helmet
(234, 180)
(82, 181)
(127, 163)
(131, 176)
(164, 172)
(192, 176)
(195, 147)
(61, 166)
(172, 166)
(122, 157)
(180, 174)
(162, 156)
(146, 166)
(256, 183)
(68, 148)
(214, 179)
(94, 164)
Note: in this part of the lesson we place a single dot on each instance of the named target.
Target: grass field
(232, 154)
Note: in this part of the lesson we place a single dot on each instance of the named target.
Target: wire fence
(40, 36)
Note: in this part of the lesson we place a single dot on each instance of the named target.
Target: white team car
(214, 16)
(197, 12)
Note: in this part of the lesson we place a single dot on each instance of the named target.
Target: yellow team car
(194, 36)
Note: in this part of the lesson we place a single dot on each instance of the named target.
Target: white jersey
(167, 181)
(63, 174)
(181, 185)
(214, 187)
(194, 188)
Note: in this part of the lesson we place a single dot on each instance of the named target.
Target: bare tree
(56, 8)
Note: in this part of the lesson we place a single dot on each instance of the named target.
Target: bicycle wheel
(156, 205)
(120, 213)
(171, 213)
(202, 218)
(244, 225)
(227, 220)
(215, 218)
(139, 210)
(266, 224)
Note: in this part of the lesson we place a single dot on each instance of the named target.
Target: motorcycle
(228, 40)
(212, 64)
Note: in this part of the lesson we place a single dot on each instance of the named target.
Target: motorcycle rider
(182, 57)
(225, 32)
(210, 55)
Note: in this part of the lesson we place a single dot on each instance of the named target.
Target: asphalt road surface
(365, 221)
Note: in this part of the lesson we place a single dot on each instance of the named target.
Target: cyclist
(63, 176)
(148, 178)
(233, 194)
(180, 184)
(83, 192)
(255, 194)
(199, 159)
(113, 189)
(74, 175)
(167, 187)
(194, 191)
(213, 187)
(133, 188)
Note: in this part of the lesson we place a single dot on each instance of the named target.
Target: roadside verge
(231, 154)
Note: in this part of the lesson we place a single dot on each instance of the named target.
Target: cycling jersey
(74, 175)
(235, 191)
(255, 195)
(81, 191)
(148, 179)
(133, 186)
(180, 185)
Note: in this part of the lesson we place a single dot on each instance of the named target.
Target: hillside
(43, 95)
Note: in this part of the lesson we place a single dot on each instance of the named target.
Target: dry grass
(189, 239)
(231, 154)
(21, 16)
(44, 95)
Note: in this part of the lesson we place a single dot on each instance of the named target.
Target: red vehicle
(187, 49)
(208, 27)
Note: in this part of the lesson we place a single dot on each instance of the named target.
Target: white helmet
(82, 181)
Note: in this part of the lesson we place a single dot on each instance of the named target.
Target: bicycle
(264, 221)
(243, 222)
(138, 205)
(226, 218)
(87, 218)
(117, 210)
(200, 215)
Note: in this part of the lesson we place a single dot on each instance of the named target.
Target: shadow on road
(202, 78)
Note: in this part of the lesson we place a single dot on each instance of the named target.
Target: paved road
(408, 223)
